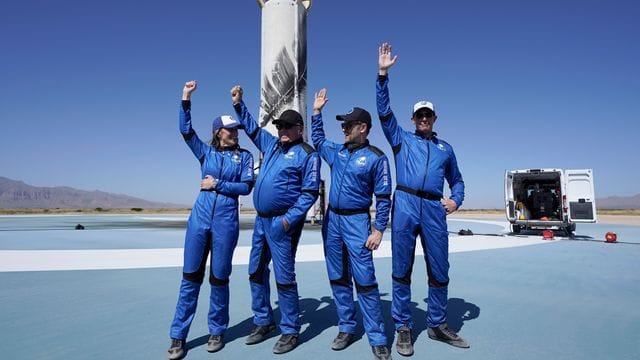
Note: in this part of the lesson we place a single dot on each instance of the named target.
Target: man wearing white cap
(423, 162)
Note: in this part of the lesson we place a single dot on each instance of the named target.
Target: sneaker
(381, 352)
(404, 346)
(444, 334)
(176, 350)
(286, 343)
(215, 343)
(342, 341)
(258, 333)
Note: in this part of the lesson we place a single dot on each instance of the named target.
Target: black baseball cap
(356, 114)
(289, 117)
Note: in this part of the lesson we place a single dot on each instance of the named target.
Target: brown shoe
(259, 333)
(286, 343)
(176, 350)
(215, 343)
(444, 334)
(404, 345)
(342, 341)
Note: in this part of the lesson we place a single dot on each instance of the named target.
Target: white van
(553, 199)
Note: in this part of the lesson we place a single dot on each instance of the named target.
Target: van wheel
(515, 228)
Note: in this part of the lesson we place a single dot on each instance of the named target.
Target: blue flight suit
(422, 165)
(356, 174)
(286, 187)
(213, 226)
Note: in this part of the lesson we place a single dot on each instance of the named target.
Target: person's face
(354, 131)
(289, 132)
(423, 120)
(228, 137)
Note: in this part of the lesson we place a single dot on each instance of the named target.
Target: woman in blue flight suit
(213, 225)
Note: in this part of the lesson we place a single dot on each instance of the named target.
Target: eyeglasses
(285, 126)
(348, 126)
(423, 115)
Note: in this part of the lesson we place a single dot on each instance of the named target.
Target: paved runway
(115, 286)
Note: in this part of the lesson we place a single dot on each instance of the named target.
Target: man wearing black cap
(423, 162)
(286, 188)
(358, 170)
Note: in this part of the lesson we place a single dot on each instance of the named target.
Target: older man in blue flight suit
(286, 188)
(358, 171)
(423, 162)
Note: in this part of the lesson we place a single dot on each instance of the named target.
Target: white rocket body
(283, 78)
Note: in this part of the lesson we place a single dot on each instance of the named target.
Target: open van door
(510, 205)
(580, 196)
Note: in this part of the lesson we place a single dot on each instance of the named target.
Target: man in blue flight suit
(286, 188)
(358, 170)
(423, 162)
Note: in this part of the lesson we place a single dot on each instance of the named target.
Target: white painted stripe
(51, 260)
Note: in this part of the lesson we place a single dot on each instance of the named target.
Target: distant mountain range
(619, 202)
(18, 195)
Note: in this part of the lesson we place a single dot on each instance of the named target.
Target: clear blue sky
(89, 91)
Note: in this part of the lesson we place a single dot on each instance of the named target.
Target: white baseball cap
(225, 121)
(422, 105)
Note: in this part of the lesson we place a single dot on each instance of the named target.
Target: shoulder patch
(375, 150)
(307, 148)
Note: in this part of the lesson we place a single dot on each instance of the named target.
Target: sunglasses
(285, 126)
(423, 115)
(348, 126)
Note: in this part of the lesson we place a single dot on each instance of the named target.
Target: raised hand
(189, 87)
(385, 59)
(320, 101)
(236, 94)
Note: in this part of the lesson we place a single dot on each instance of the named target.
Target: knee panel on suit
(340, 282)
(284, 287)
(214, 281)
(258, 275)
(196, 277)
(344, 271)
(435, 283)
(363, 289)
(405, 279)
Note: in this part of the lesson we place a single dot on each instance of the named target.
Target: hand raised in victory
(385, 59)
(320, 101)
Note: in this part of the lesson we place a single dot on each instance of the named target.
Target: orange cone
(547, 235)
(611, 237)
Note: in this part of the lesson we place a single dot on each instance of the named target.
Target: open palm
(385, 59)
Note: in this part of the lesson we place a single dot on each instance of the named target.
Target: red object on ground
(611, 237)
(547, 235)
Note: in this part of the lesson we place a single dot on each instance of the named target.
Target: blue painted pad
(96, 239)
(566, 299)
